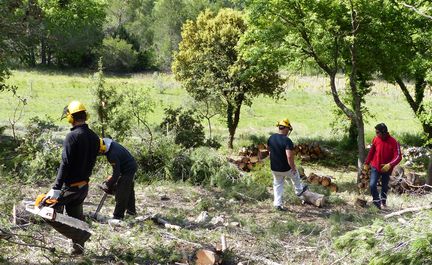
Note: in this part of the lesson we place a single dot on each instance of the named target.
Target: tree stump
(207, 257)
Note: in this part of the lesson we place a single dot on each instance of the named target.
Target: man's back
(278, 144)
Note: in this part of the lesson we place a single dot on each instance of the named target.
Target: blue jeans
(385, 177)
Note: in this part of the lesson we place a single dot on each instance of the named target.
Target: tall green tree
(210, 66)
(333, 36)
(72, 30)
(405, 54)
(12, 28)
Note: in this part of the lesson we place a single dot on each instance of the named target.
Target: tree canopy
(210, 66)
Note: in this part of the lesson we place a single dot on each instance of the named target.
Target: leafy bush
(210, 168)
(118, 55)
(38, 154)
(155, 160)
(185, 126)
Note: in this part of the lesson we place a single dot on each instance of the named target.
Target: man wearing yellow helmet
(80, 149)
(282, 163)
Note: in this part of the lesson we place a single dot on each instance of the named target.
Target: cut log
(254, 159)
(326, 181)
(245, 159)
(207, 257)
(314, 198)
(360, 202)
(262, 147)
(333, 187)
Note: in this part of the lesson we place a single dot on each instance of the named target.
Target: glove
(385, 167)
(366, 167)
(106, 188)
(53, 194)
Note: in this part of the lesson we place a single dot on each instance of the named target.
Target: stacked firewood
(309, 151)
(325, 181)
(400, 182)
(248, 156)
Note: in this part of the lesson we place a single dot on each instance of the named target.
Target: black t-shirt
(80, 149)
(278, 144)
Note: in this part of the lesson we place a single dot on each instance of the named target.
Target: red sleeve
(371, 153)
(397, 156)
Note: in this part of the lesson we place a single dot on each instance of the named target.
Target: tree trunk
(233, 118)
(416, 104)
(43, 52)
(429, 172)
(357, 96)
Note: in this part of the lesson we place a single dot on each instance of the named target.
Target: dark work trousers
(72, 201)
(125, 196)
(385, 177)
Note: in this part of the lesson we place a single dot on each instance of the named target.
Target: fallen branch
(408, 210)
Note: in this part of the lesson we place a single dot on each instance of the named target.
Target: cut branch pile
(311, 151)
(413, 155)
(325, 181)
(400, 182)
(248, 156)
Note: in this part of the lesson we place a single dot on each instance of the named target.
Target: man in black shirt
(282, 163)
(121, 183)
(80, 149)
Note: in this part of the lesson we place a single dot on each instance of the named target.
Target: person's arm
(64, 168)
(115, 163)
(291, 156)
(371, 153)
(397, 157)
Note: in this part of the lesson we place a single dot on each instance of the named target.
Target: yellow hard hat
(102, 146)
(73, 107)
(285, 123)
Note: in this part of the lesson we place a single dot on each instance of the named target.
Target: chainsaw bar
(50, 214)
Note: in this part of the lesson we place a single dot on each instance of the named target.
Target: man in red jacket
(383, 156)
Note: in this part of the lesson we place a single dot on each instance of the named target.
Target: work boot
(377, 204)
(77, 249)
(305, 188)
(280, 208)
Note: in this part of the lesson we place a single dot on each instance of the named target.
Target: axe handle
(100, 205)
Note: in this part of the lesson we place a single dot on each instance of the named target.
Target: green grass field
(306, 102)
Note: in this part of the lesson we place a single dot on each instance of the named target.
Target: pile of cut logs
(248, 156)
(311, 151)
(400, 182)
(325, 181)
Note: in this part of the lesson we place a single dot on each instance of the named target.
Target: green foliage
(155, 160)
(72, 29)
(390, 243)
(39, 154)
(113, 120)
(118, 55)
(425, 117)
(186, 128)
(210, 168)
(210, 66)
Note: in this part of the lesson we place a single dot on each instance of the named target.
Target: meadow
(306, 102)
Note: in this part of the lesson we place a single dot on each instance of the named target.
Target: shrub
(186, 128)
(38, 153)
(118, 55)
(155, 160)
